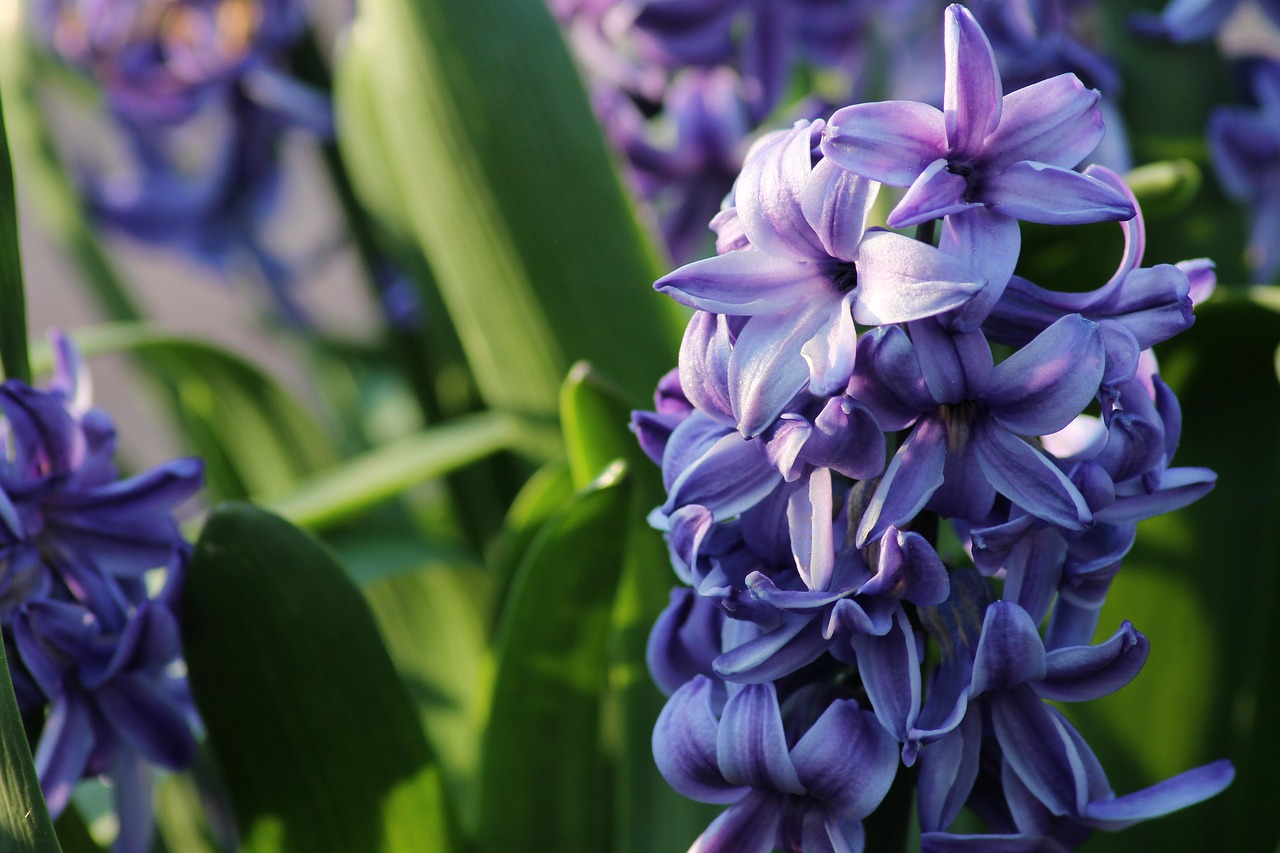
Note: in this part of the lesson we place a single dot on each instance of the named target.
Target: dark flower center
(844, 275)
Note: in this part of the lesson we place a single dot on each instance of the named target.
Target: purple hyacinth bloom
(986, 158)
(1053, 785)
(810, 268)
(790, 791)
(966, 446)
(86, 639)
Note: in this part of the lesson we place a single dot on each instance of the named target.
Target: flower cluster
(901, 478)
(93, 649)
(681, 86)
(196, 91)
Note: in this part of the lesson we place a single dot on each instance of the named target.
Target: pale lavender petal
(750, 826)
(768, 193)
(889, 141)
(914, 474)
(1023, 475)
(989, 242)
(732, 476)
(1055, 121)
(1185, 789)
(812, 535)
(1010, 651)
(751, 745)
(938, 192)
(1039, 192)
(1084, 673)
(900, 279)
(973, 95)
(1135, 232)
(767, 369)
(704, 365)
(1045, 385)
(684, 746)
(830, 353)
(846, 760)
(836, 204)
(746, 282)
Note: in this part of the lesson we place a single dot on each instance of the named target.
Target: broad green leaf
(317, 740)
(1203, 584)
(435, 625)
(546, 492)
(73, 832)
(508, 188)
(24, 819)
(13, 319)
(650, 815)
(544, 772)
(389, 469)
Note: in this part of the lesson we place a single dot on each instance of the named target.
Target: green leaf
(1165, 187)
(24, 819)
(509, 190)
(13, 319)
(387, 470)
(73, 832)
(1202, 585)
(544, 773)
(435, 626)
(650, 815)
(317, 740)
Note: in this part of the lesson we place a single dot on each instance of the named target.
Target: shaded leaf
(544, 773)
(13, 319)
(24, 819)
(317, 740)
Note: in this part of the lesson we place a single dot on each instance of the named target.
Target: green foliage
(493, 162)
(13, 319)
(24, 819)
(317, 739)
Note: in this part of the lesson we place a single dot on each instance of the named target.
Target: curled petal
(745, 282)
(836, 204)
(846, 760)
(1039, 192)
(1185, 789)
(1043, 386)
(1021, 473)
(913, 475)
(938, 192)
(888, 141)
(684, 746)
(704, 365)
(750, 826)
(767, 369)
(751, 745)
(1010, 651)
(1083, 673)
(1054, 121)
(769, 190)
(890, 670)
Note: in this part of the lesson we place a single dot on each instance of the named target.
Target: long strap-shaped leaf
(24, 820)
(13, 299)
(317, 739)
(508, 188)
(545, 780)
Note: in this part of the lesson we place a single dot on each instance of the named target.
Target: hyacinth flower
(792, 793)
(87, 642)
(986, 159)
(1245, 146)
(815, 571)
(1054, 788)
(810, 268)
